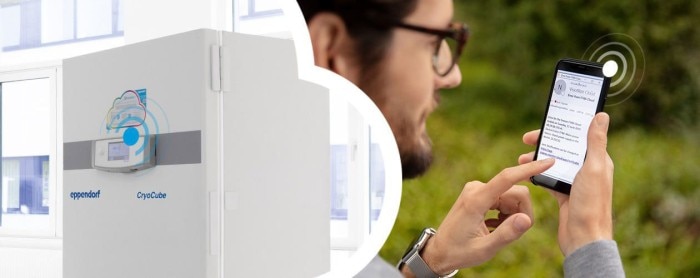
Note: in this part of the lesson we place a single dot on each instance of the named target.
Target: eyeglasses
(449, 45)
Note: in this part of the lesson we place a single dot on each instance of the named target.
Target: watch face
(410, 248)
(421, 239)
(408, 251)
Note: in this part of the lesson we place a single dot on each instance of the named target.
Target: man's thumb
(598, 135)
(510, 230)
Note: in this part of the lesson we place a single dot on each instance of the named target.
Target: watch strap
(419, 267)
(415, 262)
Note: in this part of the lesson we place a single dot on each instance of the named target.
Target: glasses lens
(445, 54)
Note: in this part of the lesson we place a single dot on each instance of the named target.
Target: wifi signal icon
(136, 136)
(628, 54)
(133, 122)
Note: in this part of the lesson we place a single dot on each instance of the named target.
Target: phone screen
(573, 103)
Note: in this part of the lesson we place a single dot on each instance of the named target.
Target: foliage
(654, 135)
(522, 40)
(657, 219)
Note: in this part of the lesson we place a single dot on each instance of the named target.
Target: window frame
(53, 73)
(246, 13)
(358, 220)
(75, 39)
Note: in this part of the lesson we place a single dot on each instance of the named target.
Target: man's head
(393, 50)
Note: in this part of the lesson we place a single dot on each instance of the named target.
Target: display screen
(117, 151)
(572, 106)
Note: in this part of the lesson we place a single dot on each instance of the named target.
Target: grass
(656, 211)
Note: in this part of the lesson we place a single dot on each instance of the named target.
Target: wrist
(585, 238)
(414, 264)
(435, 258)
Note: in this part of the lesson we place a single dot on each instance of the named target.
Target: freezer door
(152, 222)
(276, 162)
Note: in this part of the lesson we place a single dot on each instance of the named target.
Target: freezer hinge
(219, 69)
(216, 68)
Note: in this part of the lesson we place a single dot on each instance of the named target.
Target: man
(401, 53)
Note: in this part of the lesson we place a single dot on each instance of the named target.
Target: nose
(451, 80)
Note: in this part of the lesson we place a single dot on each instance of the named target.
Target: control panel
(113, 155)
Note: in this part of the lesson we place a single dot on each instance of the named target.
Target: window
(357, 178)
(28, 128)
(339, 182)
(377, 182)
(35, 23)
(251, 9)
(260, 17)
(24, 187)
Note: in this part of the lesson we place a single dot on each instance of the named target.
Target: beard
(415, 164)
(415, 147)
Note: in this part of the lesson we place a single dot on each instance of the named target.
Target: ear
(332, 45)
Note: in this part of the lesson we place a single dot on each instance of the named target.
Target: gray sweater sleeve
(596, 259)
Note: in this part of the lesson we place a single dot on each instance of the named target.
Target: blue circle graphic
(131, 136)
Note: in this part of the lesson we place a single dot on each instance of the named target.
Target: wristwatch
(413, 260)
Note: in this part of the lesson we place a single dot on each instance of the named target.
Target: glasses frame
(458, 31)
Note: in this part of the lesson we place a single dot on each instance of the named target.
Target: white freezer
(240, 185)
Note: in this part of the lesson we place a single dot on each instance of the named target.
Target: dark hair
(367, 21)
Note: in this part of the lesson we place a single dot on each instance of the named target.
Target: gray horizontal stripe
(171, 149)
(77, 155)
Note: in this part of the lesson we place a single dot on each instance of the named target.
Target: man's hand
(586, 214)
(464, 238)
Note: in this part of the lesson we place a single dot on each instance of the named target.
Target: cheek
(405, 91)
(413, 82)
(410, 102)
(409, 71)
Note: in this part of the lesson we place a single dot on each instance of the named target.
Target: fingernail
(603, 120)
(521, 224)
(546, 160)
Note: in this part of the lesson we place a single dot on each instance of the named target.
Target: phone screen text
(572, 106)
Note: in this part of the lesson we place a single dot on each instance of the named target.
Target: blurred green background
(654, 135)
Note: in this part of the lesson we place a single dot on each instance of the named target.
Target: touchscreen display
(571, 109)
(117, 151)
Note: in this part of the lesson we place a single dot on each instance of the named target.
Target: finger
(527, 157)
(531, 137)
(515, 200)
(511, 229)
(503, 216)
(598, 137)
(510, 176)
(493, 223)
(561, 197)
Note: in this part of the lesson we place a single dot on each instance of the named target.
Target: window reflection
(25, 185)
(35, 23)
(26, 124)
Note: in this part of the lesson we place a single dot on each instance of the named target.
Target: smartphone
(578, 92)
